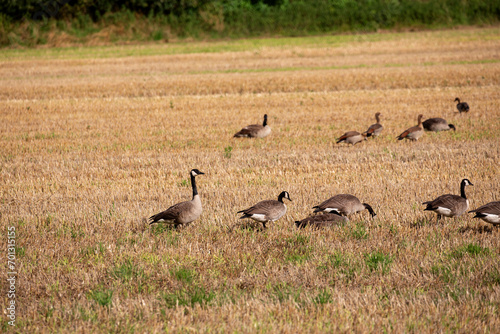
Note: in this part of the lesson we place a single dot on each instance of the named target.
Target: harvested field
(95, 140)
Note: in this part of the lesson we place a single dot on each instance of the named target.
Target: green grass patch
(378, 261)
(470, 249)
(184, 275)
(127, 271)
(189, 297)
(102, 296)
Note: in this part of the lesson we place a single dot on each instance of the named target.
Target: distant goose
(344, 204)
(450, 205)
(490, 213)
(462, 106)
(320, 221)
(414, 132)
(374, 129)
(255, 130)
(437, 124)
(267, 211)
(184, 212)
(351, 137)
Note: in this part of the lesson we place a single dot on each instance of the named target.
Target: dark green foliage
(241, 18)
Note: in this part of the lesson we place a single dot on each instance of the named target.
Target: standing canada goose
(437, 124)
(462, 106)
(344, 204)
(374, 129)
(266, 211)
(319, 221)
(351, 137)
(450, 205)
(490, 213)
(255, 130)
(184, 212)
(414, 132)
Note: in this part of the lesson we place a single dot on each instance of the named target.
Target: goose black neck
(193, 184)
(265, 120)
(280, 197)
(370, 210)
(462, 190)
(377, 117)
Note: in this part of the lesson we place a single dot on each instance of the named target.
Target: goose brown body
(437, 124)
(268, 210)
(351, 137)
(450, 205)
(321, 221)
(344, 204)
(489, 213)
(413, 133)
(255, 130)
(375, 129)
(462, 106)
(183, 212)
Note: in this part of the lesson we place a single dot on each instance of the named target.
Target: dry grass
(90, 148)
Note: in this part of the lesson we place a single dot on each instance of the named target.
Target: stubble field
(94, 140)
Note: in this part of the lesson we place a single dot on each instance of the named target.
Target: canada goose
(319, 221)
(255, 130)
(437, 124)
(344, 204)
(462, 106)
(414, 132)
(265, 211)
(351, 137)
(450, 205)
(184, 212)
(374, 129)
(490, 213)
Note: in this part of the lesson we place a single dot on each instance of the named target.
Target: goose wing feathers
(490, 208)
(338, 201)
(174, 213)
(249, 131)
(374, 128)
(448, 201)
(272, 209)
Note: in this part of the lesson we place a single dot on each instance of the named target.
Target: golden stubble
(90, 149)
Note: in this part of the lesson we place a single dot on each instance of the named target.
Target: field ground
(94, 140)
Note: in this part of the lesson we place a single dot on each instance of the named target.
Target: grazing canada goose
(319, 221)
(265, 211)
(450, 205)
(462, 106)
(351, 137)
(490, 213)
(184, 212)
(374, 129)
(344, 204)
(437, 124)
(255, 130)
(414, 132)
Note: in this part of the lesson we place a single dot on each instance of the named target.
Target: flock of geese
(337, 208)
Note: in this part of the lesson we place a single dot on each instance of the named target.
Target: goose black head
(195, 172)
(466, 182)
(284, 194)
